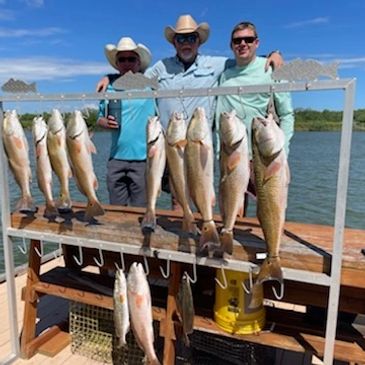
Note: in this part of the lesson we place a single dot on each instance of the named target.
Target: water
(313, 162)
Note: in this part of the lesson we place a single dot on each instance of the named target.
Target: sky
(59, 44)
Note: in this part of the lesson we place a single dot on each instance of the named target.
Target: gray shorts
(126, 182)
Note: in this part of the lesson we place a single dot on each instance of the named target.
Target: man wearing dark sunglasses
(127, 121)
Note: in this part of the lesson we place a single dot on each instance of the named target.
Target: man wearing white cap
(188, 69)
(127, 160)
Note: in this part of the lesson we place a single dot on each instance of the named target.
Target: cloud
(36, 69)
(6, 14)
(18, 33)
(304, 23)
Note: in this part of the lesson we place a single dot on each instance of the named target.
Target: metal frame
(333, 281)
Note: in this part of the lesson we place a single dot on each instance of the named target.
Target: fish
(44, 168)
(18, 86)
(135, 81)
(140, 310)
(235, 174)
(121, 310)
(198, 159)
(80, 148)
(57, 151)
(185, 307)
(272, 178)
(305, 70)
(175, 148)
(17, 151)
(155, 166)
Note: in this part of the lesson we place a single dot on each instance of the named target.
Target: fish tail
(270, 270)
(332, 70)
(186, 340)
(209, 238)
(93, 209)
(64, 203)
(26, 205)
(154, 361)
(226, 238)
(51, 210)
(188, 224)
(149, 221)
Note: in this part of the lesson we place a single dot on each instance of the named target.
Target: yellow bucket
(231, 309)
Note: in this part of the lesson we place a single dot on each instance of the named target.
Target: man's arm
(275, 60)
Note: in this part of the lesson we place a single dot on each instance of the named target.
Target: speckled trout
(121, 310)
(80, 148)
(140, 309)
(44, 169)
(57, 151)
(156, 162)
(199, 172)
(17, 151)
(272, 179)
(175, 148)
(235, 174)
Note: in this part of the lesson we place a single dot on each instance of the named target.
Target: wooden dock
(304, 247)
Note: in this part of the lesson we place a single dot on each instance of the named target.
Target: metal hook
(248, 291)
(279, 297)
(225, 283)
(147, 269)
(167, 274)
(40, 254)
(193, 281)
(101, 262)
(23, 249)
(121, 260)
(79, 262)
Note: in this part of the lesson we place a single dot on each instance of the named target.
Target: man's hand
(108, 122)
(275, 60)
(102, 84)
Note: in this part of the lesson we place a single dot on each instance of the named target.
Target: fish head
(232, 129)
(39, 129)
(154, 129)
(76, 125)
(267, 135)
(55, 121)
(176, 129)
(198, 128)
(11, 123)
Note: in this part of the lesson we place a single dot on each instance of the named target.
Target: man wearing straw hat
(188, 69)
(127, 160)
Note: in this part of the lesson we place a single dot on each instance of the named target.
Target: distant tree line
(305, 119)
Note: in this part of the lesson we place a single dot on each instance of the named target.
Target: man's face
(244, 44)
(128, 61)
(186, 46)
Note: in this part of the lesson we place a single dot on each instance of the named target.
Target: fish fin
(91, 147)
(226, 238)
(275, 166)
(149, 221)
(96, 184)
(93, 209)
(213, 199)
(18, 143)
(204, 153)
(332, 70)
(256, 297)
(38, 151)
(26, 205)
(152, 151)
(270, 270)
(233, 160)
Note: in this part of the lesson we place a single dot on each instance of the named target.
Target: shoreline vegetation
(305, 119)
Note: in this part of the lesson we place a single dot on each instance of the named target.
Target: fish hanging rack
(179, 93)
(332, 281)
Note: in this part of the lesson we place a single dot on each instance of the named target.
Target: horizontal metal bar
(183, 257)
(179, 93)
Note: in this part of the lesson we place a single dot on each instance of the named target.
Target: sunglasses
(248, 40)
(190, 38)
(130, 59)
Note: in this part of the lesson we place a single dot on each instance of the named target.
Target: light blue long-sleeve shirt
(203, 73)
(128, 142)
(248, 106)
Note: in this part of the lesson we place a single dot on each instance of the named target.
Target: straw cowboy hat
(128, 44)
(186, 24)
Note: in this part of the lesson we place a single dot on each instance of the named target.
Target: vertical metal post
(8, 246)
(341, 197)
